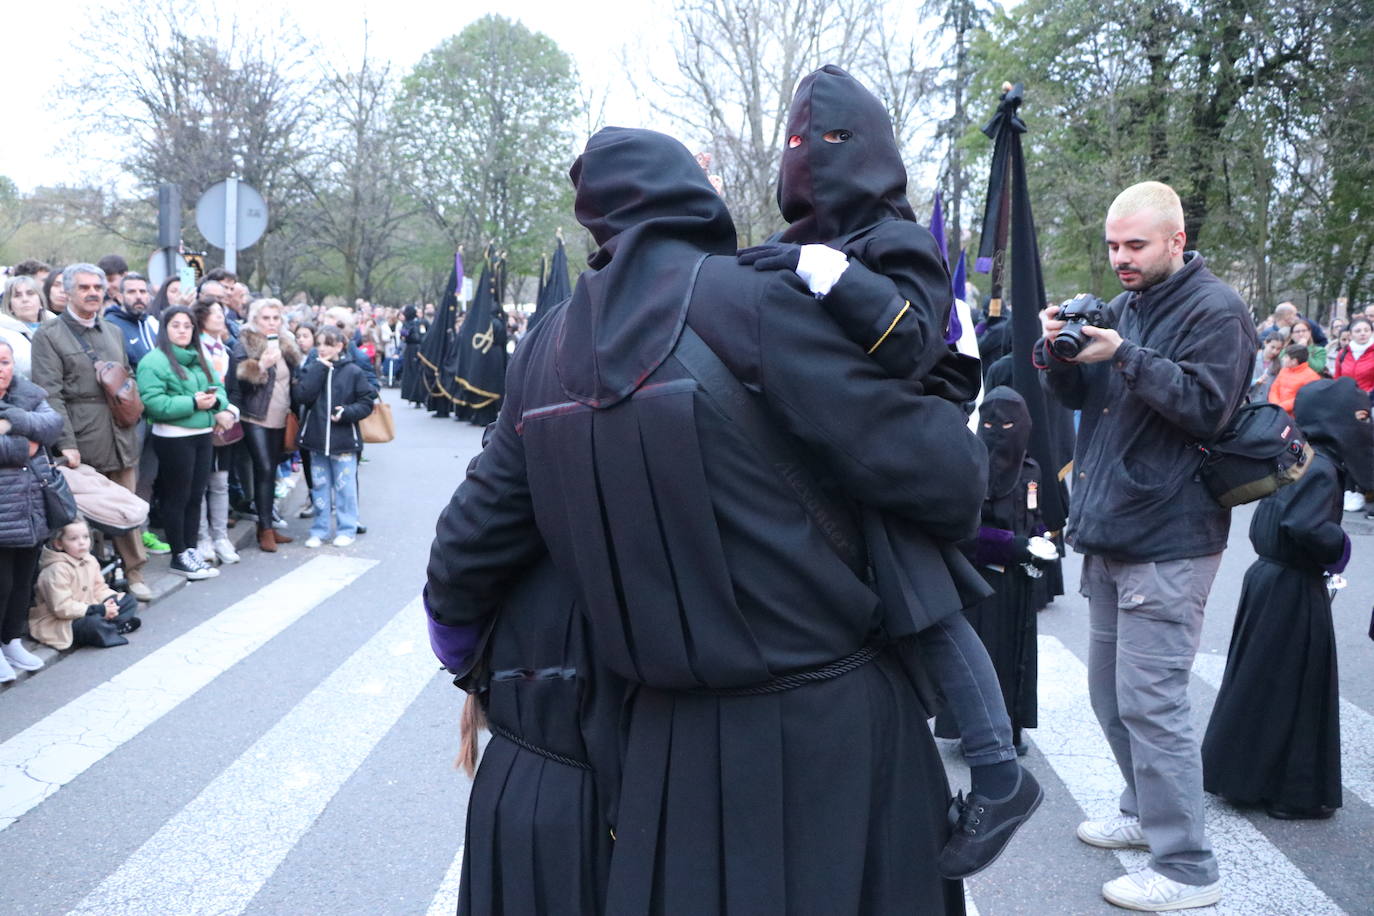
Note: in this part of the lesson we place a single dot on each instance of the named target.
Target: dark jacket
(23, 518)
(139, 331)
(62, 369)
(360, 359)
(318, 389)
(254, 388)
(1180, 374)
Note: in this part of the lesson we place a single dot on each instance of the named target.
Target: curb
(162, 583)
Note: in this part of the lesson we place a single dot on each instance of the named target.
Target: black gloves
(773, 256)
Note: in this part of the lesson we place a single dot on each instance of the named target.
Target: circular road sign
(251, 214)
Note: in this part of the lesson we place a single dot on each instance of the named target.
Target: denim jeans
(335, 486)
(973, 695)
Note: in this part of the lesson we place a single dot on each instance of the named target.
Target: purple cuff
(996, 546)
(452, 645)
(1339, 565)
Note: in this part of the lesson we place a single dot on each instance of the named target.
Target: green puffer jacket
(168, 398)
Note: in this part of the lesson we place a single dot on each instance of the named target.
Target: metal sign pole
(231, 217)
(168, 225)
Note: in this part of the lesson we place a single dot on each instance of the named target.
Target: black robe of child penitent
(745, 789)
(538, 839)
(1006, 621)
(1274, 737)
(412, 380)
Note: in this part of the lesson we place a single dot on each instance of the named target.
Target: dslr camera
(1081, 311)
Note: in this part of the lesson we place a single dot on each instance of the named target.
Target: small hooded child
(842, 190)
(75, 606)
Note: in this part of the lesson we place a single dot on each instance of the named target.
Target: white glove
(821, 267)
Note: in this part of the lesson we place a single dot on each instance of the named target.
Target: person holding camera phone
(1160, 369)
(184, 397)
(336, 395)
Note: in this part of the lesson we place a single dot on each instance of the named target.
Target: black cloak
(413, 332)
(437, 348)
(1006, 621)
(475, 374)
(747, 787)
(1275, 733)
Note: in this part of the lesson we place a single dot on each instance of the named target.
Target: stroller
(109, 510)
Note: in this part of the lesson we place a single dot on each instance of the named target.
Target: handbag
(117, 382)
(1260, 451)
(233, 434)
(291, 435)
(378, 426)
(59, 503)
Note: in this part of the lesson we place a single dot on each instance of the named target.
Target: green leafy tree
(485, 136)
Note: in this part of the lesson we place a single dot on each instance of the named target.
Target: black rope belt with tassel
(837, 668)
(536, 749)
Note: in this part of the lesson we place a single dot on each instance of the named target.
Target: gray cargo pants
(1146, 621)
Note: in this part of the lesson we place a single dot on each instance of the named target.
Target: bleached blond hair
(1154, 197)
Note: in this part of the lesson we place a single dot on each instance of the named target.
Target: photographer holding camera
(1160, 369)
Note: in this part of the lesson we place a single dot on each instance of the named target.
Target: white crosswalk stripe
(43, 758)
(214, 855)
(1357, 733)
(445, 902)
(1256, 875)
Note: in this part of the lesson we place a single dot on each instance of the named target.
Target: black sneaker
(128, 626)
(982, 828)
(188, 565)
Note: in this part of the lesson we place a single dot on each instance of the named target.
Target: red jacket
(1361, 370)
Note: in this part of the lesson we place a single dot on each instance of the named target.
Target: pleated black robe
(412, 382)
(538, 839)
(1275, 733)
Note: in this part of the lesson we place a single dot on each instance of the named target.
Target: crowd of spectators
(1296, 351)
(224, 378)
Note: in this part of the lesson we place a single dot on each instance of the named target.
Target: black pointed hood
(1325, 410)
(827, 190)
(1006, 445)
(649, 207)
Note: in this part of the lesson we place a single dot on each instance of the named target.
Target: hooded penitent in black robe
(538, 839)
(475, 374)
(413, 332)
(1275, 734)
(745, 787)
(437, 348)
(1006, 620)
(851, 195)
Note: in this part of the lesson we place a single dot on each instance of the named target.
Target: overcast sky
(32, 152)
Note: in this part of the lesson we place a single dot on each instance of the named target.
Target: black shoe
(982, 828)
(307, 512)
(128, 626)
(361, 529)
(1319, 813)
(187, 565)
(1022, 748)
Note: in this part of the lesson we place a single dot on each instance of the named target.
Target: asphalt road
(280, 741)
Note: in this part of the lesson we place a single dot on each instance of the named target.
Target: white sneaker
(224, 549)
(19, 657)
(312, 542)
(342, 540)
(1119, 832)
(1150, 891)
(6, 672)
(1354, 501)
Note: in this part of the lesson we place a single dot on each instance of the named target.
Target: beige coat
(62, 368)
(66, 588)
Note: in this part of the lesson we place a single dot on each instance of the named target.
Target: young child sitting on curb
(74, 605)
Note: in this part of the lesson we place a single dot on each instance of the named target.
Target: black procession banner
(1008, 202)
(438, 343)
(556, 287)
(475, 373)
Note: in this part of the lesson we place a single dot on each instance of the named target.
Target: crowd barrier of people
(166, 410)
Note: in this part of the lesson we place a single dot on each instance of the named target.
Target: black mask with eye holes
(1004, 426)
(841, 169)
(1326, 411)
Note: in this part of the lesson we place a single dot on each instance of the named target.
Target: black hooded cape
(475, 373)
(704, 581)
(851, 195)
(437, 348)
(1275, 733)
